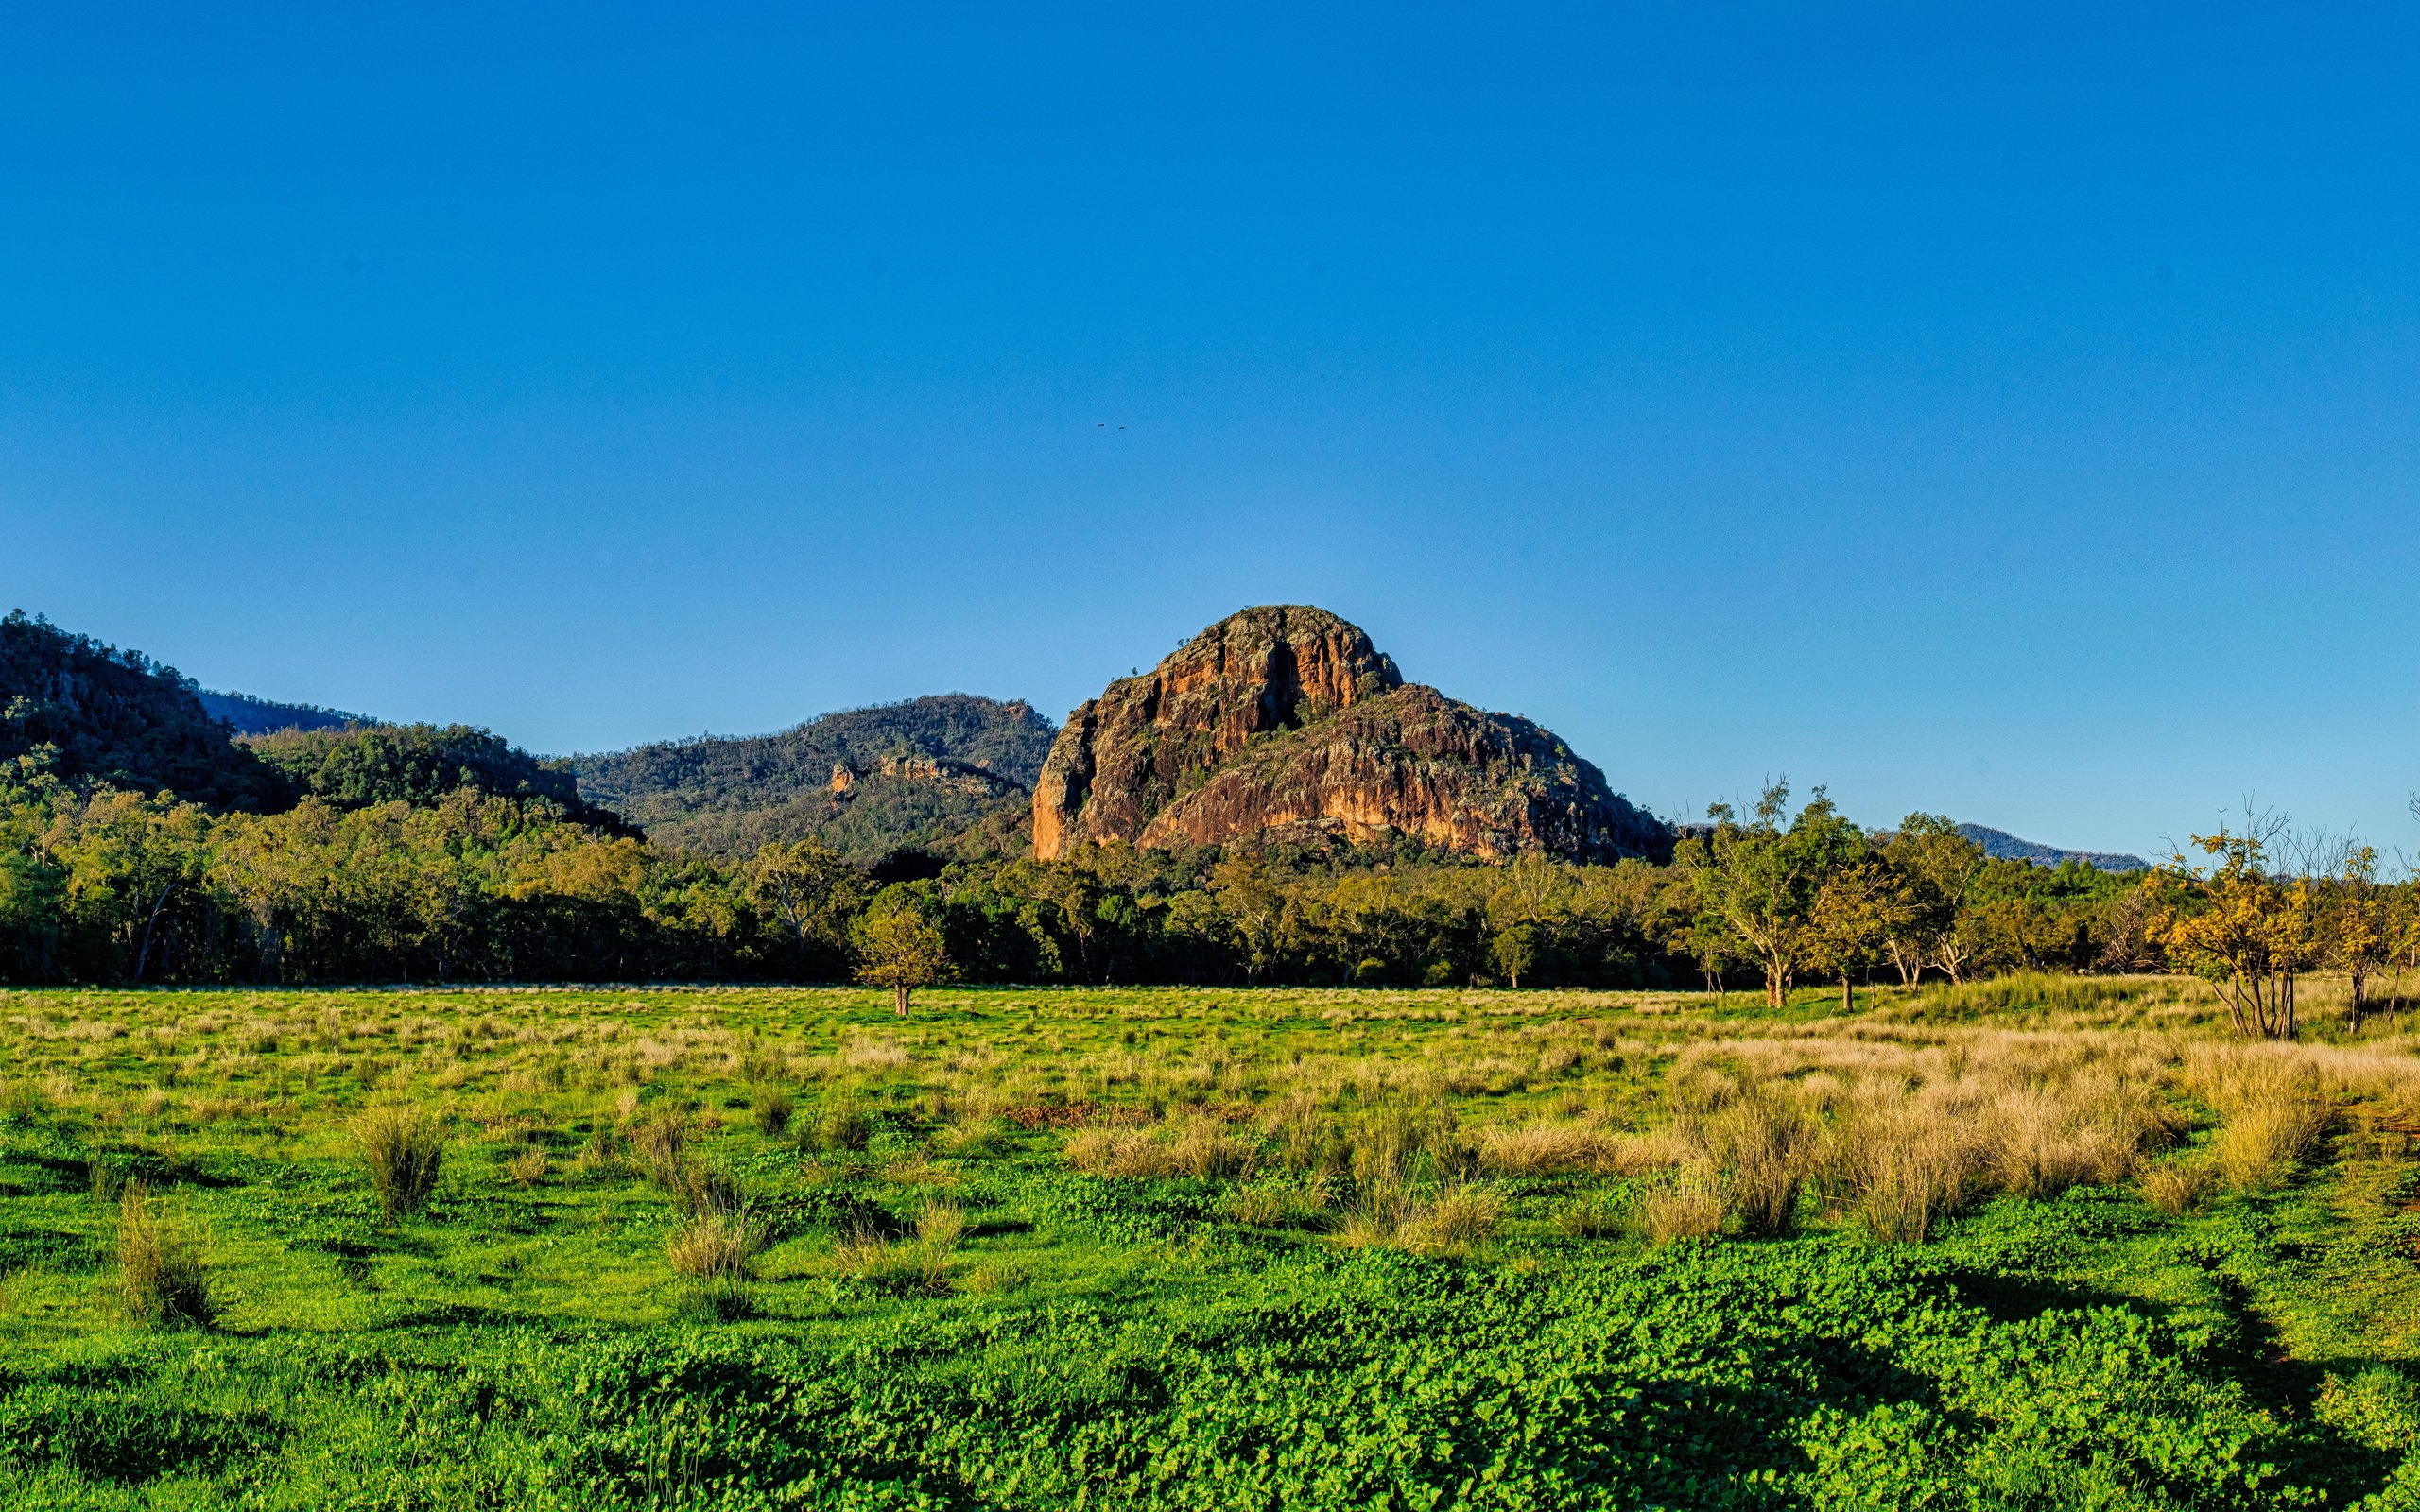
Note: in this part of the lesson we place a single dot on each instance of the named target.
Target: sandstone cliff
(1286, 716)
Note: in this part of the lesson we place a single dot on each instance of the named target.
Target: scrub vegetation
(2037, 1242)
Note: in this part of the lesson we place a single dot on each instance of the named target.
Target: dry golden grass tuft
(1373, 1216)
(2177, 1186)
(942, 1223)
(715, 1246)
(2273, 1102)
(1686, 1206)
(871, 1260)
(1550, 1149)
(402, 1147)
(1762, 1141)
(1456, 1222)
(1194, 1146)
(1275, 1202)
(661, 1141)
(772, 1105)
(161, 1280)
(1903, 1157)
(2045, 1137)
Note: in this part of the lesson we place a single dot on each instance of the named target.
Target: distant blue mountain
(2009, 848)
(259, 717)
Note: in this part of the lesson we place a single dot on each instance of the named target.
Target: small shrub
(2177, 1186)
(160, 1278)
(773, 1106)
(402, 1149)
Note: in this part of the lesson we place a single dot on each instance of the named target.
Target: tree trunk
(2355, 1020)
(152, 922)
(1772, 987)
(1848, 994)
(899, 998)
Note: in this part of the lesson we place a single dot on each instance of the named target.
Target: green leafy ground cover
(951, 1317)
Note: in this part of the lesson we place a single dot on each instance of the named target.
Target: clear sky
(2006, 411)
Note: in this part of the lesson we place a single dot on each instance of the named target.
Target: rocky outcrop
(962, 777)
(1287, 718)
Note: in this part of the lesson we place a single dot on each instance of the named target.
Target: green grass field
(1211, 1248)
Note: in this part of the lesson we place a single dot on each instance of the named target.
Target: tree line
(102, 884)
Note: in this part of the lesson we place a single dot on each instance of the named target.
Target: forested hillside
(118, 717)
(942, 772)
(356, 767)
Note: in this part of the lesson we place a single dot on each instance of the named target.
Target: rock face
(1286, 716)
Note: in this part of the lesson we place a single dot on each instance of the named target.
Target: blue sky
(2002, 411)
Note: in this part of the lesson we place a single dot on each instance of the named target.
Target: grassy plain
(2040, 1243)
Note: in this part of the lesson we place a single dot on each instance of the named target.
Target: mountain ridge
(948, 771)
(2006, 847)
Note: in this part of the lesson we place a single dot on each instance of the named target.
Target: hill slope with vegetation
(118, 717)
(355, 766)
(946, 772)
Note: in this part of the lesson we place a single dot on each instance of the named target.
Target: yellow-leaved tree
(2361, 924)
(2238, 926)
